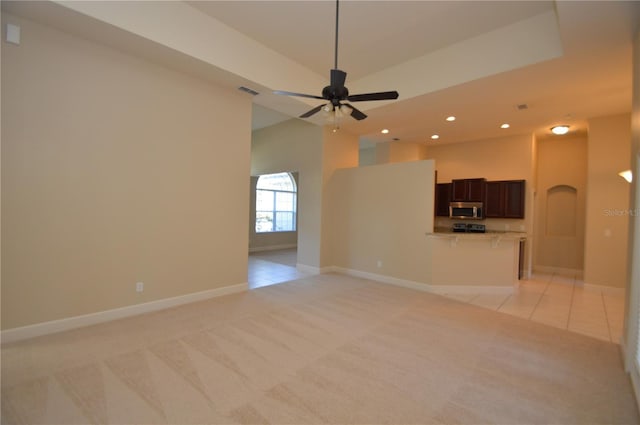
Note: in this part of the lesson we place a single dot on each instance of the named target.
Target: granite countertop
(447, 232)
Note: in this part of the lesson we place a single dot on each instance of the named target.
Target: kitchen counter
(489, 234)
(460, 260)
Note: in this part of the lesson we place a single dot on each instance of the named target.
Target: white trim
(560, 270)
(45, 328)
(436, 289)
(329, 269)
(307, 269)
(273, 247)
(632, 368)
(474, 289)
(607, 290)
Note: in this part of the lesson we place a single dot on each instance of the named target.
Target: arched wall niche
(561, 212)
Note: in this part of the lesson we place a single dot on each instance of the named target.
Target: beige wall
(367, 156)
(381, 213)
(113, 174)
(562, 161)
(340, 151)
(506, 158)
(296, 145)
(607, 221)
(399, 152)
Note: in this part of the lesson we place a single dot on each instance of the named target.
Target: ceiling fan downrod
(336, 95)
(335, 60)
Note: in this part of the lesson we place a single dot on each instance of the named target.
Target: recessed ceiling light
(451, 118)
(505, 125)
(384, 131)
(560, 129)
(435, 137)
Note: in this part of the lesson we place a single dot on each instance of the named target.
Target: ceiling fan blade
(311, 112)
(338, 78)
(288, 93)
(385, 95)
(356, 113)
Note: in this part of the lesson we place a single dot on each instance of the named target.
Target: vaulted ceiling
(567, 61)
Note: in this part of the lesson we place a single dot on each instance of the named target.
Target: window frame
(275, 211)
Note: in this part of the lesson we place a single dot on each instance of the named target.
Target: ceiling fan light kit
(336, 93)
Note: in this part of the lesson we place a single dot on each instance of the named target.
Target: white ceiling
(567, 61)
(373, 35)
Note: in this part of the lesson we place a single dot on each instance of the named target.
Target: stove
(468, 228)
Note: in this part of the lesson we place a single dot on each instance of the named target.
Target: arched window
(276, 199)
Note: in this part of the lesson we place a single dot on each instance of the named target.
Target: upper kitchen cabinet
(443, 197)
(468, 190)
(505, 199)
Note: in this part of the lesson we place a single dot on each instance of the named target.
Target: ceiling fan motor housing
(335, 94)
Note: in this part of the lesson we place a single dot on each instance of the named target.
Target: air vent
(248, 90)
(522, 106)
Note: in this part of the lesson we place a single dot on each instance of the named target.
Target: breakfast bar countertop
(447, 232)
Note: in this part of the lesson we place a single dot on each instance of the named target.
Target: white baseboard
(631, 367)
(45, 328)
(474, 289)
(308, 269)
(608, 290)
(578, 273)
(329, 269)
(273, 247)
(436, 289)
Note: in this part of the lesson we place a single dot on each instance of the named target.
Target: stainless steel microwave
(466, 210)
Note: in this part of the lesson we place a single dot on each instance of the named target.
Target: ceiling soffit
(182, 28)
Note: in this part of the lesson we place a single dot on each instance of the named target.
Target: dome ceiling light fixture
(560, 129)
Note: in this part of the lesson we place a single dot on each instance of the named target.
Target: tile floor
(270, 267)
(560, 301)
(553, 299)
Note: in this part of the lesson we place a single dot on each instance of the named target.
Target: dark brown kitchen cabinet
(443, 197)
(494, 203)
(505, 199)
(468, 190)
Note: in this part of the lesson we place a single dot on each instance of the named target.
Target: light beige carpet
(325, 349)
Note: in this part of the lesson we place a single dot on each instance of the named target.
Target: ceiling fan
(336, 93)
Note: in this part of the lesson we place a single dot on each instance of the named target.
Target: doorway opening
(273, 235)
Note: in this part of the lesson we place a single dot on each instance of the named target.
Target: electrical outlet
(139, 286)
(13, 34)
(379, 263)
